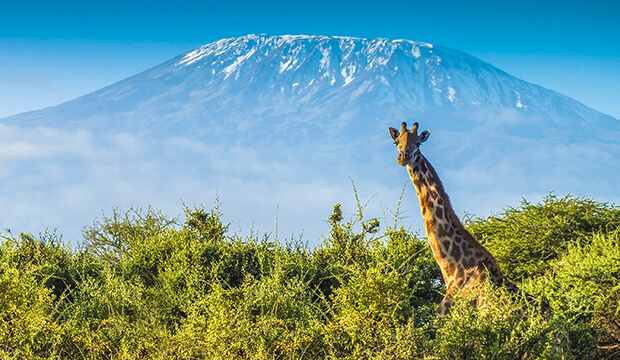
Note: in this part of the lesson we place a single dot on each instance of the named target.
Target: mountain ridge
(416, 76)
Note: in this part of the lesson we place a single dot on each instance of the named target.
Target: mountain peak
(255, 41)
(412, 75)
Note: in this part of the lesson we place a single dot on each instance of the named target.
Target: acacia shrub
(147, 286)
(565, 249)
(527, 239)
(502, 326)
(27, 325)
(583, 288)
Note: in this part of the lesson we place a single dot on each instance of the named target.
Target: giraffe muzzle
(403, 158)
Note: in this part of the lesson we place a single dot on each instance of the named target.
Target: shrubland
(146, 286)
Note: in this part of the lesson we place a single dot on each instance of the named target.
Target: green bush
(502, 326)
(146, 286)
(27, 328)
(583, 287)
(527, 239)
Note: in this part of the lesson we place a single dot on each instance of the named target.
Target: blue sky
(54, 51)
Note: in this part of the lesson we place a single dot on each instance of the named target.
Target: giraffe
(462, 259)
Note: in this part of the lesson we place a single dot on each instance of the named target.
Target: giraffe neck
(461, 257)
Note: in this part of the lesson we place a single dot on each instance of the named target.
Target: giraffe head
(408, 142)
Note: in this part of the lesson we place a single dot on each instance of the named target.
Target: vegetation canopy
(146, 286)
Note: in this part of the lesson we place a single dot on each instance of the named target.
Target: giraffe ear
(394, 133)
(424, 136)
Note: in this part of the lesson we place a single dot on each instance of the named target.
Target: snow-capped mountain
(314, 80)
(284, 121)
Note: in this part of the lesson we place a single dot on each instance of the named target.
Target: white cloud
(18, 144)
(65, 179)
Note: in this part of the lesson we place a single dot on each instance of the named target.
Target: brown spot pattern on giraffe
(446, 244)
(456, 253)
(467, 250)
(450, 269)
(439, 213)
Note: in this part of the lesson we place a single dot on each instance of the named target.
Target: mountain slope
(283, 122)
(315, 78)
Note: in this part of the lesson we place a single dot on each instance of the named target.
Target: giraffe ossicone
(462, 259)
